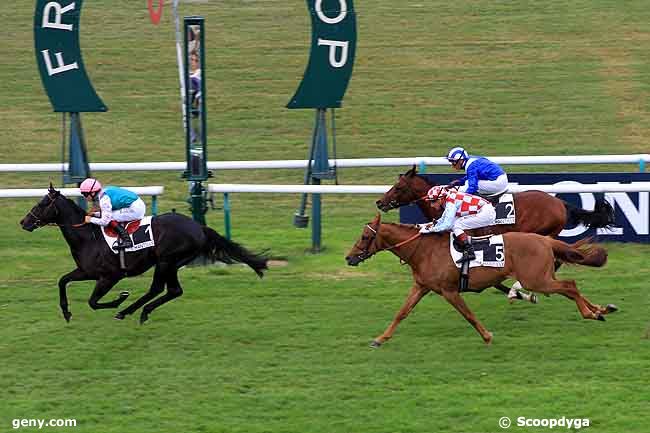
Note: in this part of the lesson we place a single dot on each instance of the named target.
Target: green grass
(289, 353)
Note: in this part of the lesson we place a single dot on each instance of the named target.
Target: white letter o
(328, 20)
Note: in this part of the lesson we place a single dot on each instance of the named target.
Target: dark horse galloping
(178, 241)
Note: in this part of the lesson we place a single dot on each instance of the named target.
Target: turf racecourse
(289, 353)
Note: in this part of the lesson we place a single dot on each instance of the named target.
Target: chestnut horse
(536, 212)
(529, 258)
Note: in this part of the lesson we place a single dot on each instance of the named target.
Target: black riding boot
(468, 248)
(121, 231)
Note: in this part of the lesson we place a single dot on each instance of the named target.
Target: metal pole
(299, 218)
(316, 219)
(63, 143)
(198, 205)
(226, 214)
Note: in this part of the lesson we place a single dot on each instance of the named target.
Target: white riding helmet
(457, 154)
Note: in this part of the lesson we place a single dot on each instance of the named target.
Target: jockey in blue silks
(482, 176)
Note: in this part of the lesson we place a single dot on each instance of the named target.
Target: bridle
(38, 223)
(365, 254)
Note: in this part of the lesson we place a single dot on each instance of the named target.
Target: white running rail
(641, 159)
(380, 189)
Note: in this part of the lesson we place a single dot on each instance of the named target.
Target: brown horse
(528, 257)
(537, 212)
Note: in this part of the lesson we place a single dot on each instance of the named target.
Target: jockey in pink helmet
(463, 211)
(116, 205)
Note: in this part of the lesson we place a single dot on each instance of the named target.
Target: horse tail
(218, 248)
(601, 217)
(581, 253)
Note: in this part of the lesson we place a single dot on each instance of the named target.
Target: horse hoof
(375, 344)
(67, 317)
(143, 318)
(124, 294)
(488, 340)
(600, 317)
(119, 316)
(533, 298)
(611, 308)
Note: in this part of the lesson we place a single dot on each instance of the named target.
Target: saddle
(130, 228)
(493, 199)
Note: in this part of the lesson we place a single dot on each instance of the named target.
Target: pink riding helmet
(90, 185)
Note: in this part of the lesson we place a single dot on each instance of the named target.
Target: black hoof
(600, 317)
(120, 316)
(611, 308)
(375, 344)
(533, 298)
(67, 315)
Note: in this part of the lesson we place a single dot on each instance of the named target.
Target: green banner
(331, 57)
(56, 41)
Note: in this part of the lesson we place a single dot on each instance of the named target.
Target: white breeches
(134, 212)
(485, 217)
(487, 188)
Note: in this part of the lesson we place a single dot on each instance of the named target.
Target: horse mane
(425, 179)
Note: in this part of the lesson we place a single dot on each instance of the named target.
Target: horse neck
(391, 234)
(70, 214)
(420, 187)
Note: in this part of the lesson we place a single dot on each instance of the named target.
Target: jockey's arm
(459, 181)
(106, 212)
(471, 187)
(448, 217)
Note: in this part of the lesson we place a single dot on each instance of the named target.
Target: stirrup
(467, 257)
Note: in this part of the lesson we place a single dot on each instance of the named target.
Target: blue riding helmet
(457, 154)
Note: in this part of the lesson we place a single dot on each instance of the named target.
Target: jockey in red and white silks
(462, 212)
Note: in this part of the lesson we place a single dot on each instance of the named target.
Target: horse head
(366, 246)
(45, 212)
(408, 189)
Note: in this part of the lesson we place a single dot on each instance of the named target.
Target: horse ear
(51, 189)
(377, 219)
(412, 172)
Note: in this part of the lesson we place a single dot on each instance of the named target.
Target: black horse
(178, 241)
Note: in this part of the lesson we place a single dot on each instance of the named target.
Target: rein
(418, 236)
(396, 204)
(39, 223)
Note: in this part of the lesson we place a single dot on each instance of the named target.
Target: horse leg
(568, 289)
(453, 297)
(599, 309)
(157, 286)
(76, 275)
(412, 299)
(515, 293)
(174, 290)
(102, 287)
